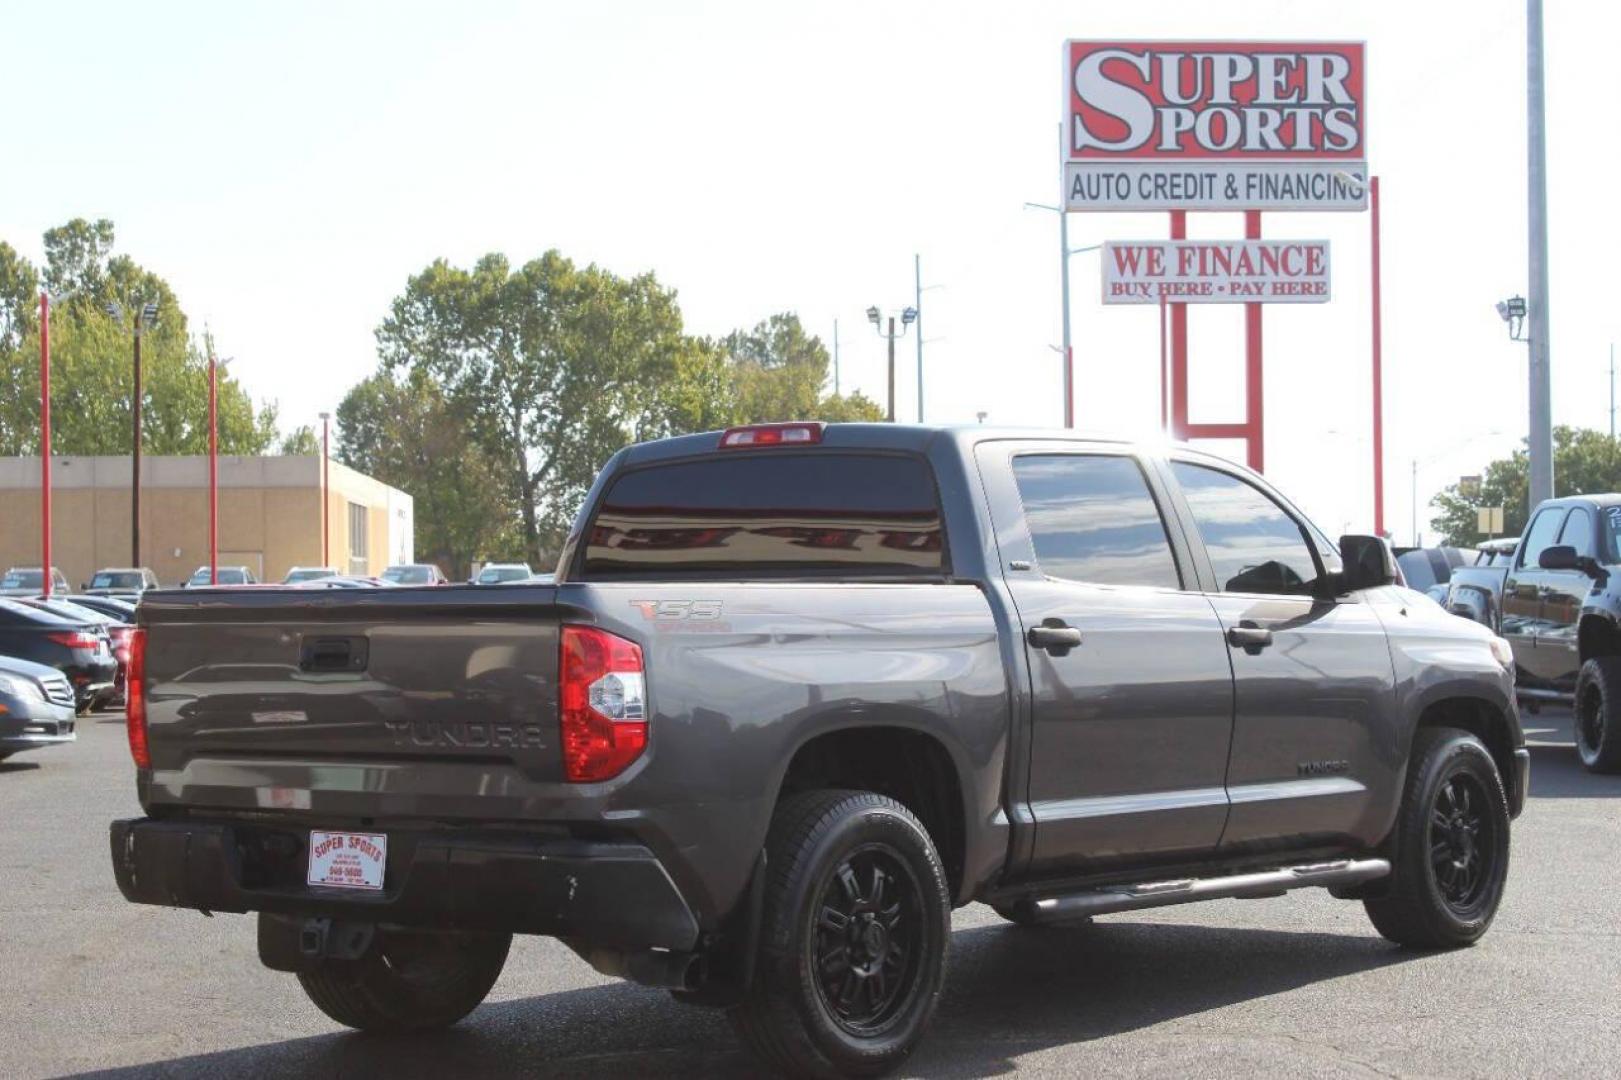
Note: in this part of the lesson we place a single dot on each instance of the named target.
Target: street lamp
(326, 531)
(1512, 311)
(908, 315)
(145, 315)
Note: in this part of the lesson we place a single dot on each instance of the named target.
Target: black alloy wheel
(868, 935)
(1462, 842)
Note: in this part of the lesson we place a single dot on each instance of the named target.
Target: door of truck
(1314, 685)
(1563, 594)
(1524, 595)
(1131, 688)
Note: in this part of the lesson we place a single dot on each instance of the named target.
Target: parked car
(78, 648)
(28, 580)
(300, 574)
(1428, 570)
(118, 631)
(36, 707)
(415, 574)
(227, 575)
(1557, 602)
(502, 574)
(345, 581)
(118, 608)
(796, 692)
(120, 581)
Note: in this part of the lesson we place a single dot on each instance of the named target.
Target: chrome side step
(1148, 894)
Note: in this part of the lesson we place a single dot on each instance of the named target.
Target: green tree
(300, 442)
(403, 431)
(552, 366)
(778, 371)
(92, 370)
(1585, 462)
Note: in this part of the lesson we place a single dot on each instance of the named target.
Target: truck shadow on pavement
(1010, 991)
(17, 766)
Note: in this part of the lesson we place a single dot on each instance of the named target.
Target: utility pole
(891, 335)
(917, 306)
(45, 441)
(835, 358)
(1540, 445)
(135, 456)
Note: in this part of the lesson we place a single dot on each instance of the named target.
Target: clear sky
(287, 166)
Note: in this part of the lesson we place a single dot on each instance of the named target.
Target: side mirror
(1558, 557)
(1369, 563)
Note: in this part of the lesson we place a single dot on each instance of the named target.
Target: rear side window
(772, 515)
(1093, 519)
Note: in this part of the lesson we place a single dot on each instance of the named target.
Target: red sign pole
(1164, 375)
(1378, 370)
(45, 439)
(1255, 440)
(213, 474)
(1179, 345)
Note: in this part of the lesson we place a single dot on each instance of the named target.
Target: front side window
(775, 514)
(1092, 518)
(1543, 535)
(1578, 532)
(1254, 545)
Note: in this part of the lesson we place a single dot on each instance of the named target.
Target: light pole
(876, 318)
(1066, 350)
(45, 438)
(1540, 446)
(145, 315)
(213, 466)
(326, 531)
(917, 305)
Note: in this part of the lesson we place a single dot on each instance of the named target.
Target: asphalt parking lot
(92, 985)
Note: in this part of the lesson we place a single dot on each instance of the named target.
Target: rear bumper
(606, 894)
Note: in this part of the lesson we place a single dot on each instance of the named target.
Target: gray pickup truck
(799, 690)
(1555, 597)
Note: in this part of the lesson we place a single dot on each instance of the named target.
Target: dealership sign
(1216, 272)
(1214, 126)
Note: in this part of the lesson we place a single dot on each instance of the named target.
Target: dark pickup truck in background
(1554, 596)
(795, 693)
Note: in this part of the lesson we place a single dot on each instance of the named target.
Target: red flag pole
(1378, 371)
(213, 473)
(1255, 441)
(45, 438)
(1164, 379)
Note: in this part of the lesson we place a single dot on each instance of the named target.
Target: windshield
(490, 575)
(305, 575)
(122, 579)
(22, 579)
(408, 575)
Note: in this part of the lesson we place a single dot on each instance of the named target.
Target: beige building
(269, 516)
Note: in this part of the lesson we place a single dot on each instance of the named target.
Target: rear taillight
(75, 639)
(135, 699)
(602, 703)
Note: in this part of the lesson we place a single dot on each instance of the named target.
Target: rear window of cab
(772, 514)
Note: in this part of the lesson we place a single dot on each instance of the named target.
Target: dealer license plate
(346, 860)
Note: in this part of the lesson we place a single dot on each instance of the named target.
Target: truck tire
(1449, 847)
(410, 980)
(1596, 714)
(853, 938)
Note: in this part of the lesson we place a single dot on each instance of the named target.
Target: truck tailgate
(294, 699)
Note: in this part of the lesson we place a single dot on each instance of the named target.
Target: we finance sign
(1215, 126)
(1216, 272)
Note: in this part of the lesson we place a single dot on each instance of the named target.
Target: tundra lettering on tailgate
(476, 734)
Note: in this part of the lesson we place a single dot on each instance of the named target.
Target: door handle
(1055, 636)
(1249, 637)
